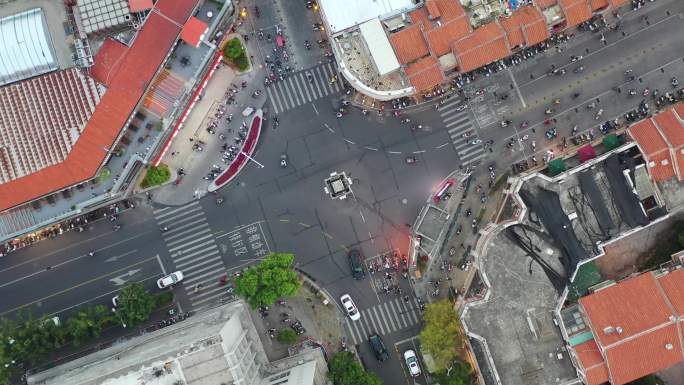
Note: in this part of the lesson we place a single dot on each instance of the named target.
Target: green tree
(460, 373)
(263, 284)
(135, 305)
(442, 335)
(344, 369)
(287, 336)
(235, 52)
(88, 323)
(156, 176)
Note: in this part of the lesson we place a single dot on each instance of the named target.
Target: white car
(115, 300)
(170, 279)
(350, 307)
(412, 362)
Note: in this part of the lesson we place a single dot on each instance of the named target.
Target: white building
(217, 347)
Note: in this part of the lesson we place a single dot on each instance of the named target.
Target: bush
(287, 336)
(163, 299)
(156, 176)
(235, 53)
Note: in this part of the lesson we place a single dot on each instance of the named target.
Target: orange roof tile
(441, 38)
(576, 11)
(525, 26)
(679, 109)
(618, 3)
(107, 60)
(421, 16)
(409, 44)
(425, 73)
(534, 25)
(513, 27)
(193, 31)
(660, 166)
(638, 357)
(672, 286)
(450, 9)
(543, 4)
(647, 136)
(642, 313)
(634, 305)
(671, 127)
(485, 45)
(591, 361)
(139, 5)
(432, 8)
(597, 5)
(127, 86)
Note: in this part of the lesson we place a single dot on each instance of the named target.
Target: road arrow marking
(121, 279)
(115, 258)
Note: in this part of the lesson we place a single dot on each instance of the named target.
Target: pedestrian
(192, 140)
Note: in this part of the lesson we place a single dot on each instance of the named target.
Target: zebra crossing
(194, 251)
(457, 124)
(296, 90)
(384, 318)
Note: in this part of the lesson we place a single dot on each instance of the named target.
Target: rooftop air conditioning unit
(608, 330)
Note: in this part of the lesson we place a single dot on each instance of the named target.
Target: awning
(139, 5)
(193, 31)
(611, 141)
(557, 166)
(587, 152)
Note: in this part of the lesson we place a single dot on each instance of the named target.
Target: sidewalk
(323, 323)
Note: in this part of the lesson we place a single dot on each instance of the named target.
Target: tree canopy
(263, 284)
(442, 335)
(460, 373)
(343, 369)
(135, 304)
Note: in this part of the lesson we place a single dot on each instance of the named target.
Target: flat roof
(25, 46)
(342, 15)
(379, 46)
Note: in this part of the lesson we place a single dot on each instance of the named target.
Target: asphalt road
(285, 209)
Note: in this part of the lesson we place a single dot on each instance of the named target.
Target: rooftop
(635, 324)
(576, 11)
(21, 60)
(485, 45)
(342, 15)
(96, 15)
(137, 69)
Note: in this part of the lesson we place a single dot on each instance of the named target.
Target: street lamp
(120, 319)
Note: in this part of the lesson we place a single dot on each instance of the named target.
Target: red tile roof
(543, 4)
(638, 357)
(425, 73)
(591, 362)
(618, 3)
(635, 324)
(597, 5)
(139, 5)
(409, 44)
(485, 45)
(433, 9)
(420, 16)
(450, 9)
(440, 38)
(672, 129)
(107, 60)
(127, 86)
(525, 26)
(654, 148)
(576, 11)
(193, 31)
(41, 120)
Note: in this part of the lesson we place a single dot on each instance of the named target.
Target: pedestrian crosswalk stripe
(459, 122)
(189, 234)
(296, 90)
(217, 266)
(196, 264)
(207, 275)
(166, 213)
(474, 148)
(449, 104)
(474, 159)
(382, 320)
(397, 311)
(391, 320)
(183, 255)
(193, 250)
(180, 219)
(455, 116)
(172, 249)
(376, 321)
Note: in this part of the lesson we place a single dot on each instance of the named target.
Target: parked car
(356, 264)
(350, 307)
(412, 363)
(170, 279)
(378, 347)
(115, 300)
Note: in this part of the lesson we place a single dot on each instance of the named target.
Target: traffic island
(235, 54)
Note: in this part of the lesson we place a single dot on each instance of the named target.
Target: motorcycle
(411, 159)
(549, 111)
